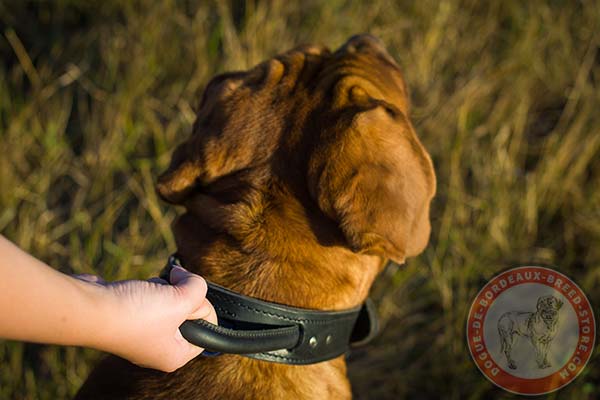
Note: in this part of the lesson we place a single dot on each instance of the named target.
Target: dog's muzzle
(275, 332)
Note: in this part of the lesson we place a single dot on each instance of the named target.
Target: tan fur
(301, 178)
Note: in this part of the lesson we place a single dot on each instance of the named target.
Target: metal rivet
(328, 339)
(313, 342)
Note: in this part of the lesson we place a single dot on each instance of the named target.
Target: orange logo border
(576, 362)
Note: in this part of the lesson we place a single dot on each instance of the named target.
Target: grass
(95, 95)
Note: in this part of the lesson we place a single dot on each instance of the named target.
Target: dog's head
(548, 306)
(322, 140)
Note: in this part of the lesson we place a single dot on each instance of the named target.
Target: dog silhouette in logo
(539, 327)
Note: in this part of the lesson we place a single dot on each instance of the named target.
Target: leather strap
(274, 332)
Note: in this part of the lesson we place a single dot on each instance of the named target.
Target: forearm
(40, 304)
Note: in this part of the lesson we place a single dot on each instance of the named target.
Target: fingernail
(177, 273)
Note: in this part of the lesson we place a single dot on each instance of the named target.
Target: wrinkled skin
(302, 176)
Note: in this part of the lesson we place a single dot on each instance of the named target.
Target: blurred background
(95, 95)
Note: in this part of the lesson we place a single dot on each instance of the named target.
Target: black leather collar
(275, 332)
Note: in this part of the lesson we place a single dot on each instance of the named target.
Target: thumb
(203, 309)
(191, 287)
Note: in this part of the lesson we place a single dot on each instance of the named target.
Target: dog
(302, 177)
(539, 327)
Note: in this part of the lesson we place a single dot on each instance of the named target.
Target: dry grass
(93, 96)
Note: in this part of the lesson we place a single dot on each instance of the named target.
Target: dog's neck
(275, 248)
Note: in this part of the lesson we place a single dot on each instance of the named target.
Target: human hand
(143, 318)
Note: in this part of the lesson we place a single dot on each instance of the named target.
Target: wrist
(98, 315)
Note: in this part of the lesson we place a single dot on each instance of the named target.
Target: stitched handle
(217, 338)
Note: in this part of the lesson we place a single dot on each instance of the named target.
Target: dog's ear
(209, 155)
(183, 174)
(559, 304)
(370, 173)
(226, 138)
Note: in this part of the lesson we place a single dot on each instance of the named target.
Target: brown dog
(302, 176)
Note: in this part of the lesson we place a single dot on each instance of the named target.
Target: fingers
(188, 350)
(193, 288)
(206, 311)
(212, 315)
(190, 286)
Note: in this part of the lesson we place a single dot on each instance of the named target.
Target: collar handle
(217, 338)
